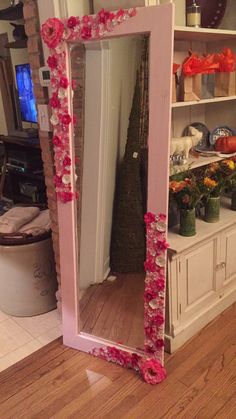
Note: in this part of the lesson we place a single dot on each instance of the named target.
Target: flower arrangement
(215, 177)
(185, 190)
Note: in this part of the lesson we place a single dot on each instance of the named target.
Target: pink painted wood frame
(157, 21)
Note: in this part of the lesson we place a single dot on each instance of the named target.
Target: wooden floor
(62, 383)
(114, 310)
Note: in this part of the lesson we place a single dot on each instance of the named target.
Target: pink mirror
(111, 101)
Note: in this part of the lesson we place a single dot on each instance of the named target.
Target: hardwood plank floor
(114, 310)
(59, 382)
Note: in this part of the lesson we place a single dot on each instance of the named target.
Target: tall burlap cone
(128, 244)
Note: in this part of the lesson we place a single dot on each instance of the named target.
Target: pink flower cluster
(151, 369)
(56, 33)
(154, 295)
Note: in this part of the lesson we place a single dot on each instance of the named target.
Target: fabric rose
(158, 319)
(120, 13)
(152, 371)
(149, 294)
(52, 62)
(162, 217)
(54, 102)
(72, 22)
(67, 161)
(57, 141)
(86, 32)
(87, 20)
(149, 218)
(104, 16)
(65, 119)
(57, 181)
(149, 265)
(150, 349)
(64, 83)
(160, 284)
(65, 196)
(52, 32)
(132, 12)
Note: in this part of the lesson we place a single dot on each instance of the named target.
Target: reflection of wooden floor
(114, 310)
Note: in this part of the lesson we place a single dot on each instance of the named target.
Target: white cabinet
(201, 277)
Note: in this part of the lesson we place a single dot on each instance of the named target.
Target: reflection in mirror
(111, 143)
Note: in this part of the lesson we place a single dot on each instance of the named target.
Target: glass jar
(193, 15)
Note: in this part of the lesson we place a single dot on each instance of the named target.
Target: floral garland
(55, 33)
(151, 369)
(154, 296)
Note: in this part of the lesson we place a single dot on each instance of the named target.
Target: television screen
(26, 93)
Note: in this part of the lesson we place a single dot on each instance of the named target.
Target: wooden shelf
(185, 33)
(203, 101)
(204, 230)
(194, 162)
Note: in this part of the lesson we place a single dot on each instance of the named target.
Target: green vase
(212, 209)
(233, 200)
(187, 222)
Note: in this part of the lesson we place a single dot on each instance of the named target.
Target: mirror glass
(110, 103)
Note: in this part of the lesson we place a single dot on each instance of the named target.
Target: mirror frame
(157, 22)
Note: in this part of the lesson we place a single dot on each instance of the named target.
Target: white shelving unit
(203, 101)
(201, 269)
(185, 33)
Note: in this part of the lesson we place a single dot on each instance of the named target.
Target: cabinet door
(229, 258)
(200, 278)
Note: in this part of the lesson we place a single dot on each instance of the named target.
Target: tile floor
(21, 336)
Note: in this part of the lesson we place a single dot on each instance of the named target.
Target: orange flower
(209, 183)
(177, 186)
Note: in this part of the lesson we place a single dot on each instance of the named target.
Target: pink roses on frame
(52, 32)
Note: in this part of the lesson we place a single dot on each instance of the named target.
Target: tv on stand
(24, 103)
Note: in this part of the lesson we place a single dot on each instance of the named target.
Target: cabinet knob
(223, 265)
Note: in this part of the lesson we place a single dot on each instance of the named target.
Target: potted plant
(185, 191)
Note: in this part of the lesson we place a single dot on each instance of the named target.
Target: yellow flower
(209, 183)
(230, 164)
